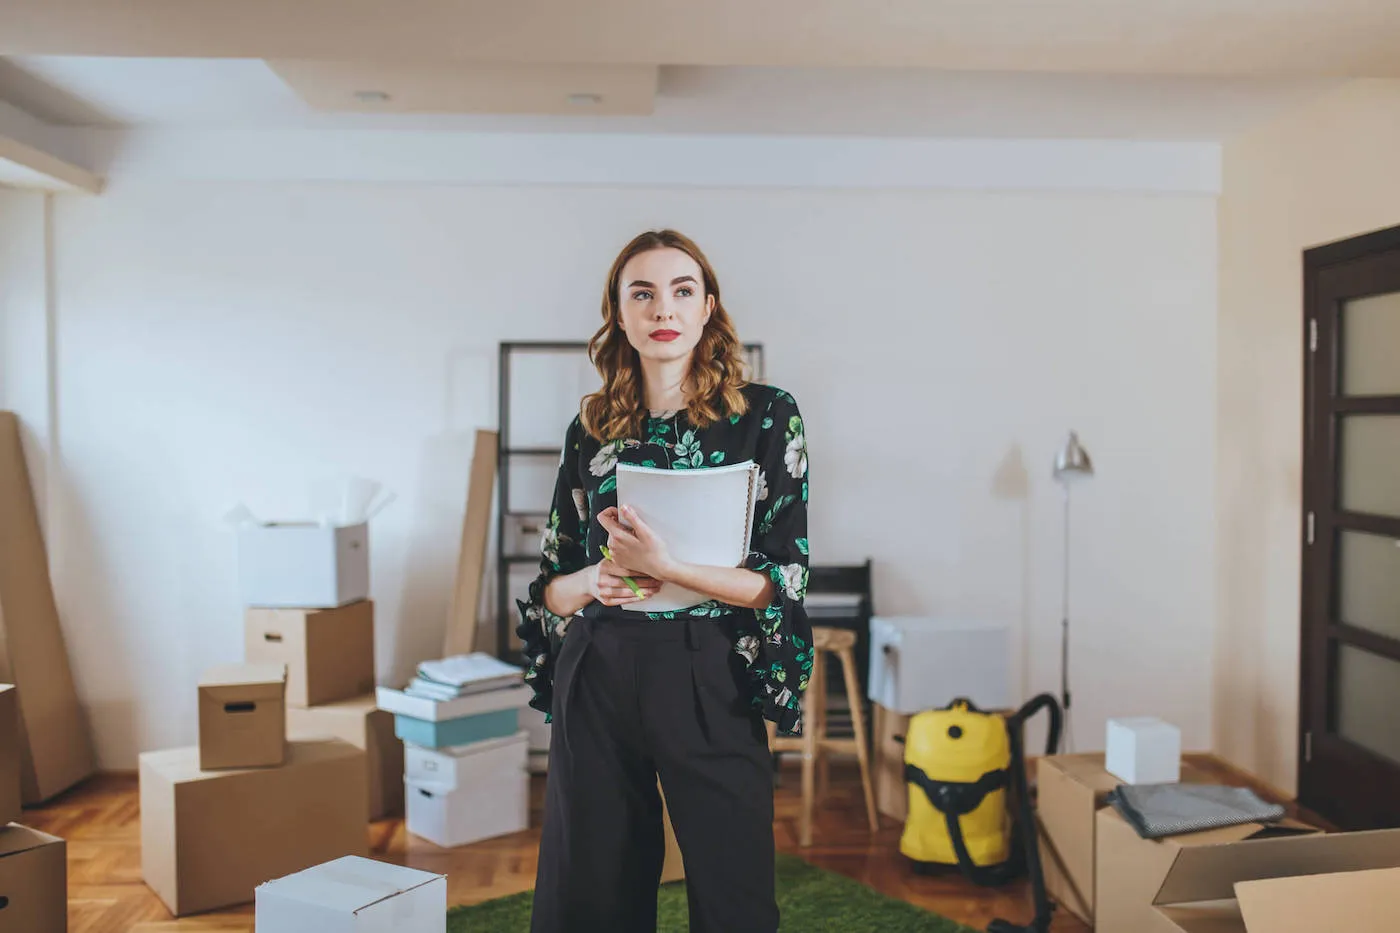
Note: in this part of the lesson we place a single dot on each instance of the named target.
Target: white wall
(226, 341)
(1316, 174)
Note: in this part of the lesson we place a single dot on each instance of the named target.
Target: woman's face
(664, 308)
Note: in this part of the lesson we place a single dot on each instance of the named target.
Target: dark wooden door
(1349, 753)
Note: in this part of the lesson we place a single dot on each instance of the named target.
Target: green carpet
(810, 899)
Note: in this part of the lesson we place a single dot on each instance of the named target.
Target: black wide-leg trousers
(634, 700)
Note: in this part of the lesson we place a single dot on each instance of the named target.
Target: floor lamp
(1072, 464)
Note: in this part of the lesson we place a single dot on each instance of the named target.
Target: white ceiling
(1154, 69)
(1225, 37)
(817, 101)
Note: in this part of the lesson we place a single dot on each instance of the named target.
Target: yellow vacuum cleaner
(962, 765)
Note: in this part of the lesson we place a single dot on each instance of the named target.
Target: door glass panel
(1370, 361)
(1370, 467)
(1368, 582)
(1368, 695)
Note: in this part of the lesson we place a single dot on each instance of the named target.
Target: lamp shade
(1072, 461)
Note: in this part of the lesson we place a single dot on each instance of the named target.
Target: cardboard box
(1132, 873)
(448, 816)
(1143, 750)
(9, 755)
(1070, 790)
(672, 867)
(55, 745)
(303, 565)
(365, 726)
(243, 716)
(354, 895)
(329, 653)
(463, 765)
(33, 881)
(209, 838)
(891, 791)
(1355, 901)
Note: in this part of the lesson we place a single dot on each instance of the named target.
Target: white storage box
(1143, 750)
(473, 704)
(465, 765)
(459, 816)
(303, 565)
(920, 663)
(354, 895)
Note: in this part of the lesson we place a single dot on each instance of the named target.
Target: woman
(681, 695)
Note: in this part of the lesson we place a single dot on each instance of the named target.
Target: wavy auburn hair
(716, 378)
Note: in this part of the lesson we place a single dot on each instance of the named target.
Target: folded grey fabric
(1157, 810)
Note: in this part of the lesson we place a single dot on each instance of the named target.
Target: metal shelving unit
(506, 648)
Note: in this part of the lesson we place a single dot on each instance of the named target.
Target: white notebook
(705, 516)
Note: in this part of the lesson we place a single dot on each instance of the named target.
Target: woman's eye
(641, 296)
(685, 291)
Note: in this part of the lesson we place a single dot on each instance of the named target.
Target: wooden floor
(100, 821)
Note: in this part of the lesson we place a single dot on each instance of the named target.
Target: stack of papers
(463, 675)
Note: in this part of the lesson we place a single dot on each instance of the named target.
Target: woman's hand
(636, 545)
(608, 586)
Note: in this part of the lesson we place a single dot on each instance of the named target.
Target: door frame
(1321, 516)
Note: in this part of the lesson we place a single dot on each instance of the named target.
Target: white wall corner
(33, 155)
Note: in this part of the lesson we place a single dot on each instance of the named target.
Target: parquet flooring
(100, 821)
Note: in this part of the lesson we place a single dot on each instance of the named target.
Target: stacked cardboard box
(306, 589)
(329, 653)
(33, 865)
(466, 756)
(286, 773)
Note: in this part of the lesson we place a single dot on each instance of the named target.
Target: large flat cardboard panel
(208, 838)
(354, 895)
(329, 653)
(33, 881)
(1355, 901)
(242, 716)
(460, 636)
(55, 745)
(1070, 790)
(9, 755)
(364, 726)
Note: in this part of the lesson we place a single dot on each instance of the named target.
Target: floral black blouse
(776, 640)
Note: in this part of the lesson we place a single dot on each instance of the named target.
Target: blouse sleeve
(563, 550)
(781, 661)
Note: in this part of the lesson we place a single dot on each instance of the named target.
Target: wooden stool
(814, 743)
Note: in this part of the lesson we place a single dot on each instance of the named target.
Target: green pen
(631, 584)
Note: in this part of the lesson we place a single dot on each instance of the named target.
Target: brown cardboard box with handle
(33, 881)
(9, 755)
(55, 746)
(209, 838)
(363, 725)
(1070, 790)
(1308, 884)
(329, 653)
(242, 716)
(1132, 871)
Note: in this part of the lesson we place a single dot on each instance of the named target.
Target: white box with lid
(353, 895)
(303, 565)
